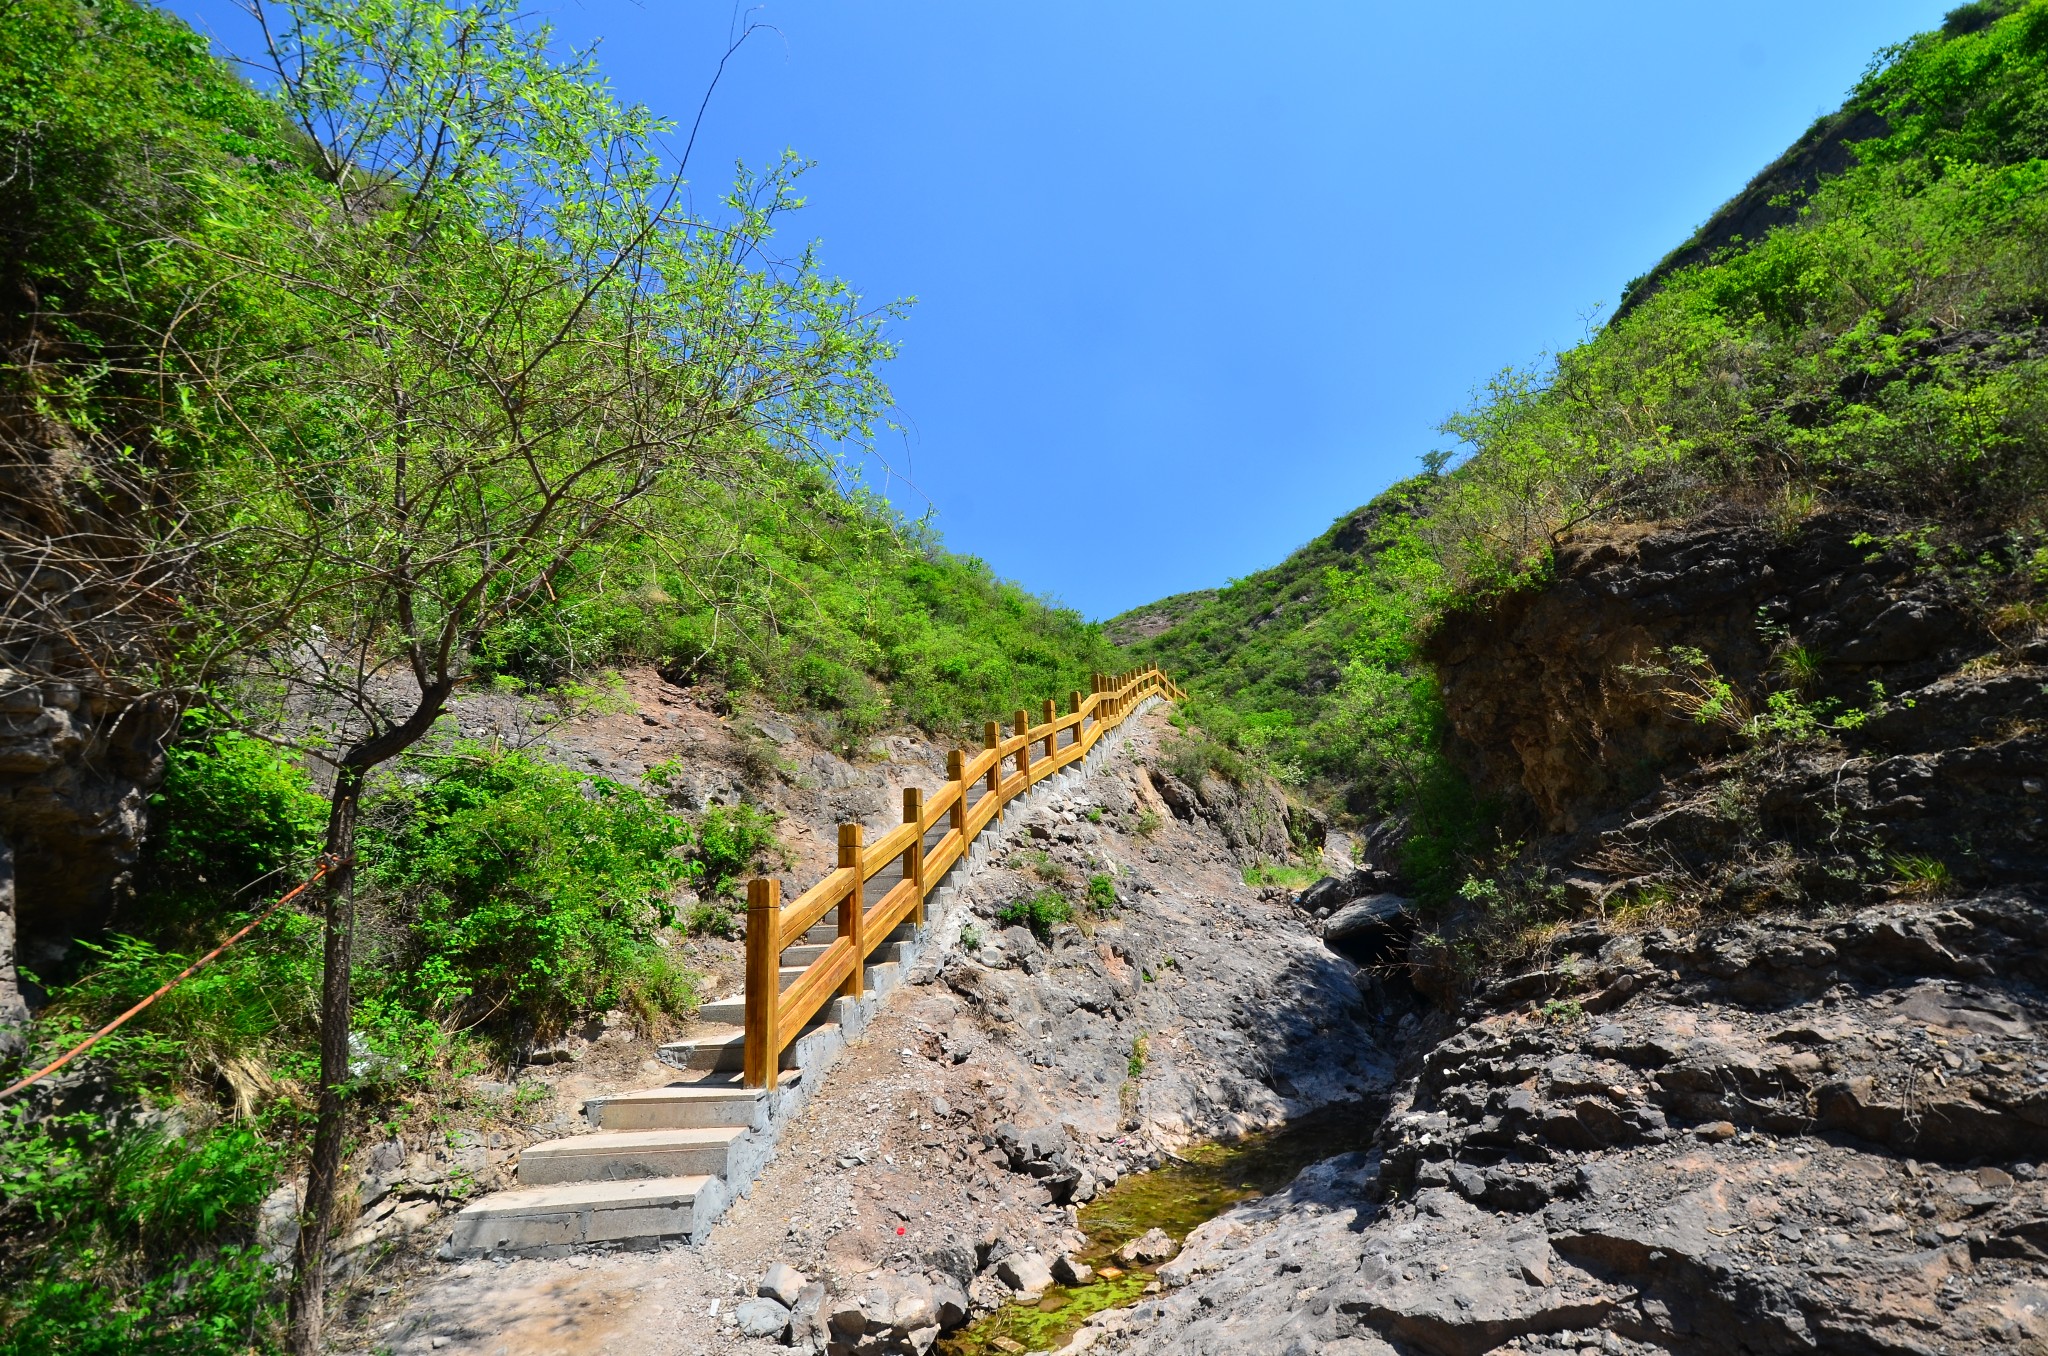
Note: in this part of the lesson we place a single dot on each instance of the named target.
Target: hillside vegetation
(1881, 350)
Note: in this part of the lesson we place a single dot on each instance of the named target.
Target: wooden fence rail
(977, 787)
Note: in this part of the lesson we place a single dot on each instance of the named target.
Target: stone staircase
(663, 1163)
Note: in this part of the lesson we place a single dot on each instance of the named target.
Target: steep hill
(1871, 344)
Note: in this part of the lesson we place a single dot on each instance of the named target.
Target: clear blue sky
(1226, 266)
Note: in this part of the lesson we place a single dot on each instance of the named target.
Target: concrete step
(530, 1219)
(722, 1048)
(802, 954)
(718, 1100)
(625, 1155)
(825, 933)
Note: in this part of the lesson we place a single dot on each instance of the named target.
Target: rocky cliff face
(1894, 708)
(1784, 1087)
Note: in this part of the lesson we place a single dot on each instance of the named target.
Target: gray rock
(762, 1317)
(1068, 1271)
(949, 1304)
(277, 1224)
(1373, 931)
(1025, 1272)
(783, 1284)
(1039, 1144)
(1154, 1245)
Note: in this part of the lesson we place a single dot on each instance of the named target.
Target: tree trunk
(307, 1310)
(13, 1008)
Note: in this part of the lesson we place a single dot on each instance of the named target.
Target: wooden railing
(976, 790)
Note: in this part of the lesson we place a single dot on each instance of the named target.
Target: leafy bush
(731, 842)
(131, 1241)
(1041, 913)
(525, 889)
(233, 819)
(1102, 893)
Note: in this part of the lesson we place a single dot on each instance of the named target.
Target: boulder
(949, 1303)
(783, 1284)
(762, 1317)
(1026, 1273)
(1041, 1144)
(1068, 1271)
(1148, 1248)
(1373, 931)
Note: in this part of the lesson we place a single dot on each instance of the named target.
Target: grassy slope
(1811, 363)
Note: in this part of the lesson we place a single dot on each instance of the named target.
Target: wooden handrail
(1007, 765)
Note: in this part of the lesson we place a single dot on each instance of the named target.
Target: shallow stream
(1176, 1197)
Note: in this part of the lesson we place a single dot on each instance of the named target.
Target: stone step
(626, 1155)
(827, 932)
(717, 1100)
(723, 1047)
(536, 1218)
(878, 977)
(802, 954)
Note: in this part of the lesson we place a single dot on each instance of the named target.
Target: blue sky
(1194, 279)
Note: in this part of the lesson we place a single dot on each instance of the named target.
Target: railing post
(956, 771)
(913, 856)
(762, 1050)
(852, 916)
(1022, 720)
(1052, 737)
(992, 735)
(1074, 701)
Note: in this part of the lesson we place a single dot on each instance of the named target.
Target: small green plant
(1564, 1012)
(1102, 893)
(711, 918)
(1276, 873)
(731, 841)
(604, 695)
(1147, 824)
(1140, 1048)
(1041, 913)
(970, 937)
(1095, 814)
(1922, 877)
(1042, 865)
(1799, 666)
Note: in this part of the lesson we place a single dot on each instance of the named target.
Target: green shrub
(131, 1241)
(234, 820)
(1041, 913)
(732, 841)
(525, 889)
(1102, 893)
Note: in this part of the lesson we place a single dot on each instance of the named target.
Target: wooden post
(956, 771)
(763, 1047)
(913, 856)
(992, 735)
(1022, 720)
(1074, 701)
(852, 918)
(1052, 737)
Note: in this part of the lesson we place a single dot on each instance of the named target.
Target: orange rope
(173, 983)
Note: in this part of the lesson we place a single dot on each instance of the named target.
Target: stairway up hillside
(661, 1164)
